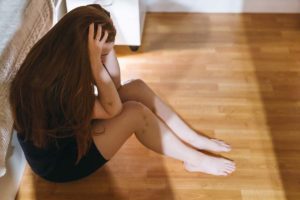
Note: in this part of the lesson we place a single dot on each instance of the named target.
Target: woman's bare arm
(108, 95)
(112, 66)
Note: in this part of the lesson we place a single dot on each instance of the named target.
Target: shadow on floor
(274, 47)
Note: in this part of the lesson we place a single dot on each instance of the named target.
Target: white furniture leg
(128, 17)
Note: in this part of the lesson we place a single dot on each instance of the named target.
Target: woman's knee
(135, 109)
(139, 83)
(134, 85)
(138, 112)
(132, 112)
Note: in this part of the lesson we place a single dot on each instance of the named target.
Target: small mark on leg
(143, 131)
(146, 121)
(144, 117)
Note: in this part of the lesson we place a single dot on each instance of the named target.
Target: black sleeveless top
(56, 162)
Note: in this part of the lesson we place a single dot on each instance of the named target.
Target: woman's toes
(224, 147)
(221, 142)
(223, 173)
(229, 162)
(227, 149)
(230, 169)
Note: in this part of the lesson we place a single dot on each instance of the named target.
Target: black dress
(56, 163)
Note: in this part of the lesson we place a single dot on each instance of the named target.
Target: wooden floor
(230, 76)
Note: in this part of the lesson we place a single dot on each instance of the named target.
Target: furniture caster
(134, 48)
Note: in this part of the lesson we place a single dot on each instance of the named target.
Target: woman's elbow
(117, 110)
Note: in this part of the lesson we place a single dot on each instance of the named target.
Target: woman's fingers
(98, 34)
(103, 40)
(99, 30)
(91, 32)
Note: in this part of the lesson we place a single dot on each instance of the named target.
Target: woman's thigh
(117, 130)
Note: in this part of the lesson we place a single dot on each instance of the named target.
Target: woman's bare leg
(155, 135)
(138, 90)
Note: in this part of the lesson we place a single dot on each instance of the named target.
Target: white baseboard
(224, 6)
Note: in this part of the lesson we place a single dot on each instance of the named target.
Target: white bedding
(22, 23)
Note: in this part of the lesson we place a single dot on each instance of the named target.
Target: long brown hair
(52, 94)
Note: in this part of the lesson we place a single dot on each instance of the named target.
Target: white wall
(224, 6)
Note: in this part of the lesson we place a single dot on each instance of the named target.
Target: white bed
(22, 23)
(15, 165)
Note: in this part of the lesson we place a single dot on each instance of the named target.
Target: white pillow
(22, 23)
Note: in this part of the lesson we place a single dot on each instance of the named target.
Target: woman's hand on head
(95, 46)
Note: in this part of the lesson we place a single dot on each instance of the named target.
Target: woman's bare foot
(204, 143)
(211, 165)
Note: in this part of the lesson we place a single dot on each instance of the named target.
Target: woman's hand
(95, 48)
